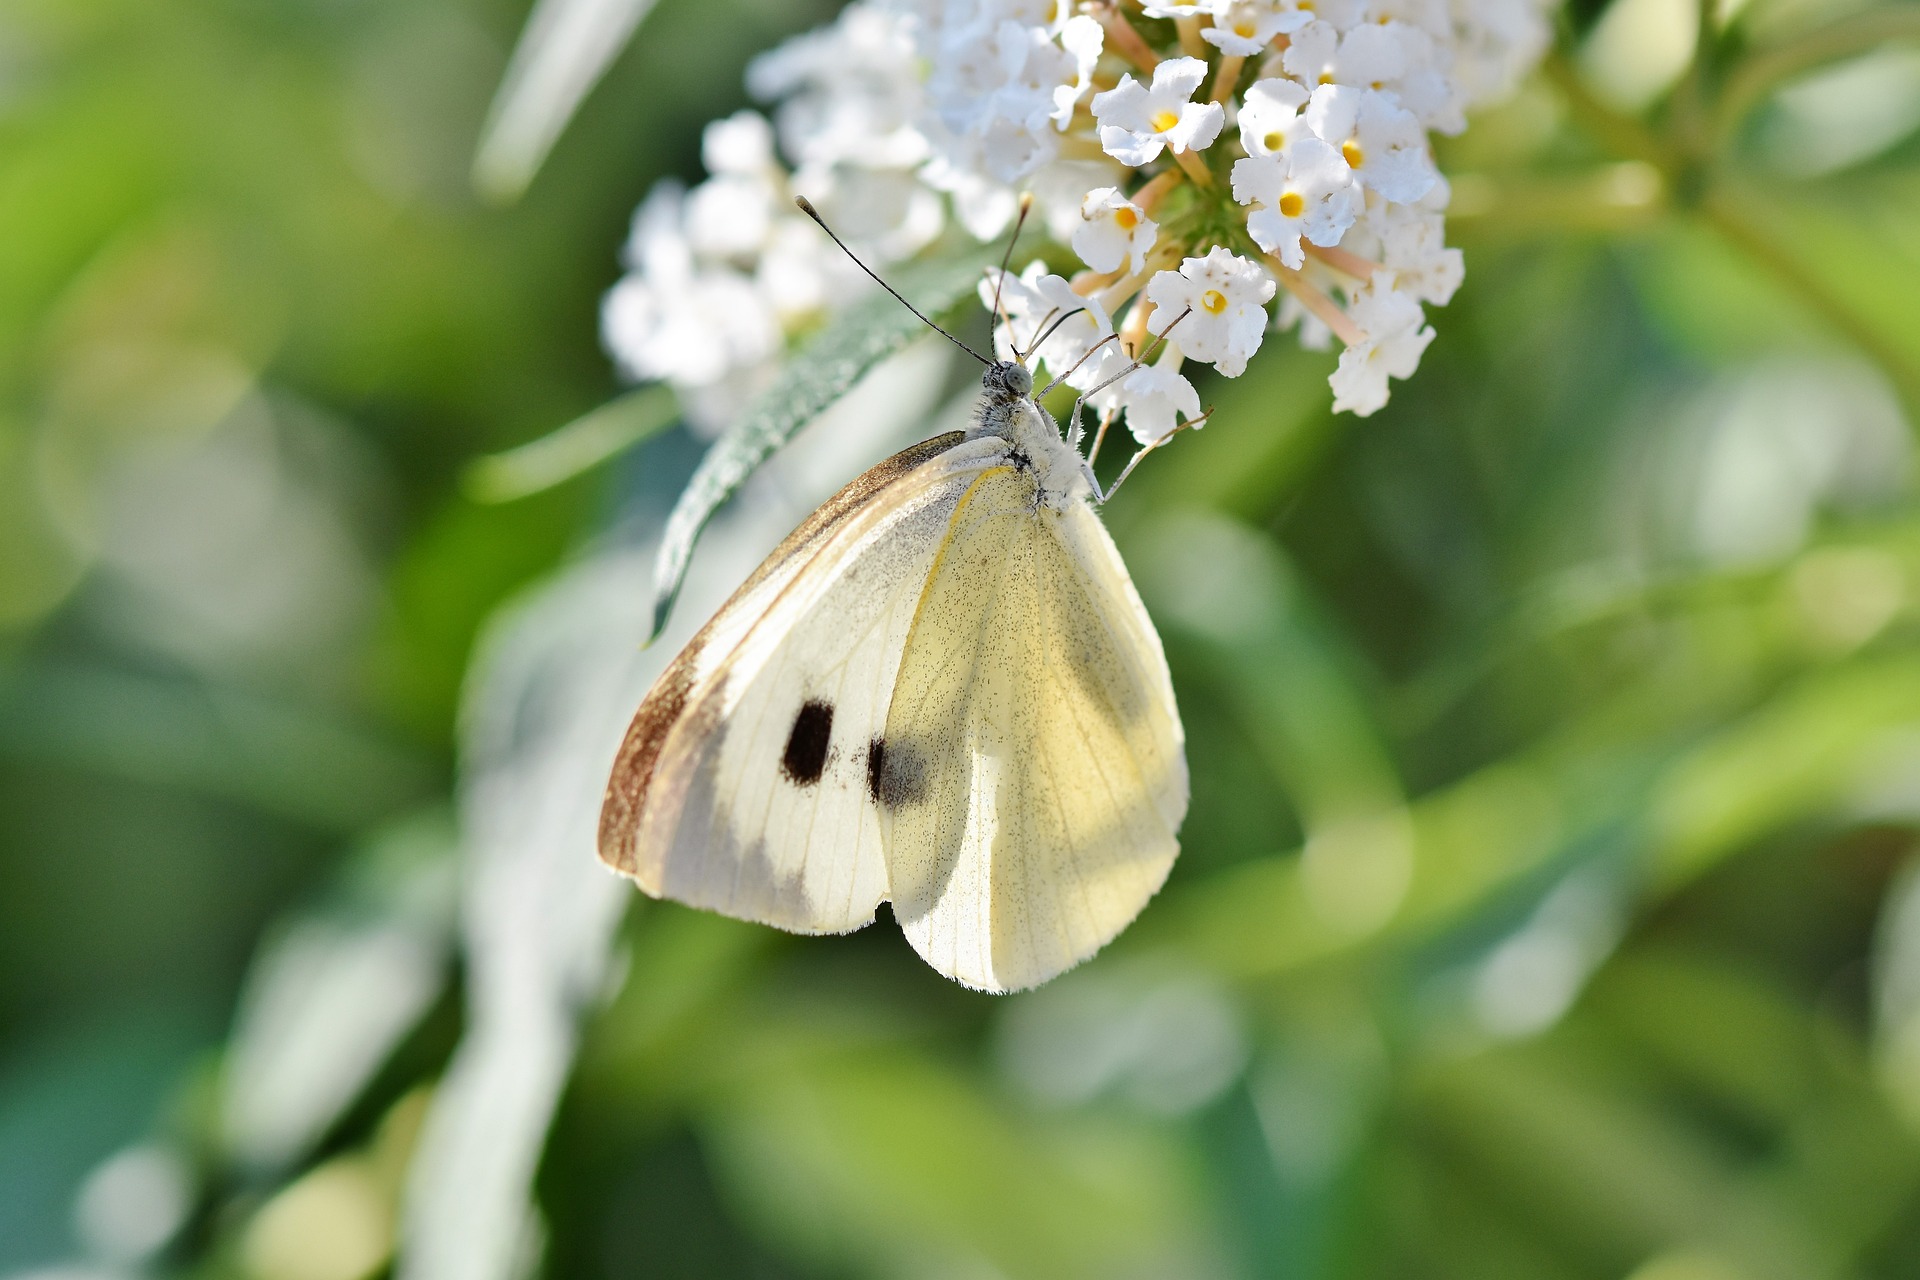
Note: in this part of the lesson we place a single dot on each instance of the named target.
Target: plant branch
(1615, 130)
(1763, 70)
(1726, 214)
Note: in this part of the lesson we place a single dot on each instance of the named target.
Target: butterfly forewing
(1032, 778)
(743, 786)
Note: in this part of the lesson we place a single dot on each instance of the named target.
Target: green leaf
(820, 374)
(565, 49)
(888, 1163)
(581, 445)
(1802, 753)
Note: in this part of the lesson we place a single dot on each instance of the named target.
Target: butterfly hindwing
(743, 784)
(1032, 777)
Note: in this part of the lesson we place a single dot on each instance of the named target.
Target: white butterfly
(940, 691)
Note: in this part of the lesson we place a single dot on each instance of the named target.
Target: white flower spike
(902, 118)
(1113, 231)
(1224, 297)
(1137, 121)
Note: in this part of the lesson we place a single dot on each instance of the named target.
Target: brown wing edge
(665, 703)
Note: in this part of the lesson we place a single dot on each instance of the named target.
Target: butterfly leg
(1101, 496)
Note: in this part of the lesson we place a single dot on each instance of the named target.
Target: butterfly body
(941, 691)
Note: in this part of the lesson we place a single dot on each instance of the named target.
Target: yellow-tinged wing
(1033, 775)
(742, 785)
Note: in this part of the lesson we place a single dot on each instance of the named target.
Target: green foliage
(1548, 905)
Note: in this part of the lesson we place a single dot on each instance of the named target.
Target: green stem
(1691, 113)
(1727, 215)
(1722, 208)
(1763, 70)
(1622, 134)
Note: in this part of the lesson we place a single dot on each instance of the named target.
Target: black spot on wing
(896, 775)
(805, 758)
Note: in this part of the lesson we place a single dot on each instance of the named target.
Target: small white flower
(1248, 26)
(1270, 116)
(1082, 38)
(730, 215)
(1428, 87)
(1224, 296)
(1136, 122)
(1060, 187)
(1113, 230)
(1370, 56)
(886, 214)
(981, 204)
(1035, 302)
(1381, 142)
(690, 332)
(741, 143)
(1154, 400)
(1494, 43)
(1305, 191)
(1397, 334)
(800, 273)
(1410, 240)
(1343, 14)
(1184, 8)
(848, 92)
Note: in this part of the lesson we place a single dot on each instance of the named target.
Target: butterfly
(941, 691)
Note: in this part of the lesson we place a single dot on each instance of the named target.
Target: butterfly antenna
(1091, 352)
(1050, 330)
(1026, 203)
(806, 207)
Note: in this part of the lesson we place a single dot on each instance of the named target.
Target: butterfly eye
(1015, 378)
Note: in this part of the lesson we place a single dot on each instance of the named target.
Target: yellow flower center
(1213, 302)
(1274, 140)
(1326, 77)
(1243, 29)
(1126, 217)
(1354, 156)
(1292, 205)
(1163, 121)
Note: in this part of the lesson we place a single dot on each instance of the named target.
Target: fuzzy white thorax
(1008, 410)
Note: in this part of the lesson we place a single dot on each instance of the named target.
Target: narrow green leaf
(581, 445)
(816, 377)
(566, 47)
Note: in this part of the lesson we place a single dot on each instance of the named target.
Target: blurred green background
(1548, 904)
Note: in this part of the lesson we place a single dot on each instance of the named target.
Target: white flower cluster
(721, 278)
(1201, 157)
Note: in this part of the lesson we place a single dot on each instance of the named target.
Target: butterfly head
(1007, 380)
